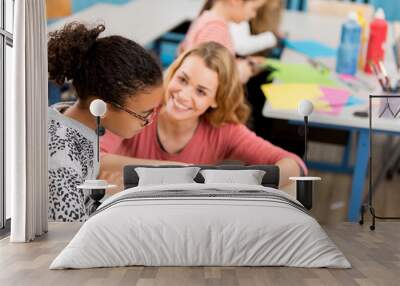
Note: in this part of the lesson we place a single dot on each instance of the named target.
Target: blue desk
(358, 170)
(329, 35)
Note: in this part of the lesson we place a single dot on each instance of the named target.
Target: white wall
(9, 12)
(8, 91)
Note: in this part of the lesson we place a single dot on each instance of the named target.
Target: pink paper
(336, 98)
(347, 77)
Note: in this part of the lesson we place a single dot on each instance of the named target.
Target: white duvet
(207, 230)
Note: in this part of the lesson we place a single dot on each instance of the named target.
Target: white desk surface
(140, 20)
(303, 26)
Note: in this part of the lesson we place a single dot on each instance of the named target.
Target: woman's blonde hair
(231, 105)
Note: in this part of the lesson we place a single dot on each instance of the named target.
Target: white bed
(201, 224)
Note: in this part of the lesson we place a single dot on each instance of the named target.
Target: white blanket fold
(203, 225)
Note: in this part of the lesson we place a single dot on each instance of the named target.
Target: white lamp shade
(306, 107)
(98, 107)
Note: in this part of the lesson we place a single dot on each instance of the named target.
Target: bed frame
(270, 179)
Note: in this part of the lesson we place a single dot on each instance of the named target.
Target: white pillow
(248, 177)
(163, 176)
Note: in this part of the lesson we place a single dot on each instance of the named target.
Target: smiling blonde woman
(201, 121)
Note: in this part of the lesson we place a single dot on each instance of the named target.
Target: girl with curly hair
(113, 69)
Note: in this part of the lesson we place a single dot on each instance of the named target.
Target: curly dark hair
(111, 68)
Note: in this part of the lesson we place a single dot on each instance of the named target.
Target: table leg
(359, 176)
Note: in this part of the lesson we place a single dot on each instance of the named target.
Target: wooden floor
(375, 257)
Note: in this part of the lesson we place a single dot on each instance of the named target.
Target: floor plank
(375, 257)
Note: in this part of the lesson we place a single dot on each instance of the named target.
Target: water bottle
(347, 56)
(377, 39)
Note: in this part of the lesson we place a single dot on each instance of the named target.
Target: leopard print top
(72, 160)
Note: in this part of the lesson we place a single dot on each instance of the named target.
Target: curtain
(26, 123)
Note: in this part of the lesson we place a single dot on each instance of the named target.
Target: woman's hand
(287, 168)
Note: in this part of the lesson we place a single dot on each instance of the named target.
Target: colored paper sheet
(347, 77)
(336, 99)
(353, 100)
(356, 83)
(310, 48)
(299, 73)
(322, 105)
(288, 96)
(327, 100)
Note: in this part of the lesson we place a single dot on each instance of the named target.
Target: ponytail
(207, 6)
(111, 68)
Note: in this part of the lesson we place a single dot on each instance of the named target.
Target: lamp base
(97, 190)
(304, 188)
(305, 193)
(96, 195)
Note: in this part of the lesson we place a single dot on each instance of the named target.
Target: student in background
(260, 33)
(114, 69)
(213, 25)
(246, 44)
(268, 18)
(251, 39)
(201, 121)
(277, 131)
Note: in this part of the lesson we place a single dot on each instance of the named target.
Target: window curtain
(26, 123)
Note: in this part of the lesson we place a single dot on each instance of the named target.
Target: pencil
(375, 70)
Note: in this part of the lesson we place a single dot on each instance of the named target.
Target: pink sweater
(209, 145)
(208, 27)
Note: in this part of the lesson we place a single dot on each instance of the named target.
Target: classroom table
(140, 20)
(325, 29)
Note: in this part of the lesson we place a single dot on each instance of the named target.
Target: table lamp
(304, 184)
(305, 109)
(97, 188)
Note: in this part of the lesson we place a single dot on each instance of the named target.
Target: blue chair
(54, 93)
(166, 46)
(300, 5)
(391, 8)
(78, 5)
(169, 44)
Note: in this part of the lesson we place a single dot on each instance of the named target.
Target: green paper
(299, 73)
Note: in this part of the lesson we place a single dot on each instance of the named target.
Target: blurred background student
(261, 34)
(266, 40)
(212, 24)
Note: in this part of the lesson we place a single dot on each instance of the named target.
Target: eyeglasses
(145, 119)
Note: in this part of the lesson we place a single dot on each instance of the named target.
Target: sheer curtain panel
(26, 123)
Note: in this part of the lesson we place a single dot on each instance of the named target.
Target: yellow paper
(288, 96)
(322, 105)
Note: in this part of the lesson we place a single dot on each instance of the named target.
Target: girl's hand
(113, 178)
(245, 70)
(257, 64)
(257, 60)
